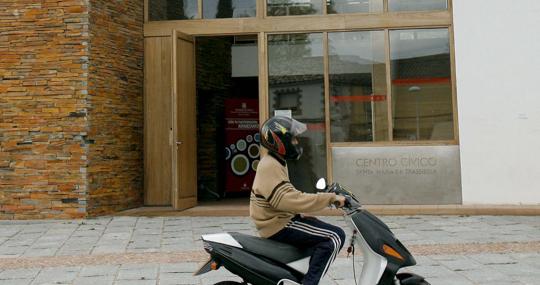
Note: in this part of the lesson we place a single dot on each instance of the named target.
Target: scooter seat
(277, 251)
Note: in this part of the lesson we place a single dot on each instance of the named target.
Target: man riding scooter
(296, 249)
(276, 205)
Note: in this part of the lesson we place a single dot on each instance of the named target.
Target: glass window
(417, 5)
(358, 106)
(421, 85)
(293, 7)
(159, 10)
(213, 9)
(354, 6)
(296, 83)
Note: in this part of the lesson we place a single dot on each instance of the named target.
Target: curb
(234, 208)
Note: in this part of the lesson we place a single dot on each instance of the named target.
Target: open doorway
(227, 115)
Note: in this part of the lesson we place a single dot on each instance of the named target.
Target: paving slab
(57, 275)
(94, 280)
(23, 273)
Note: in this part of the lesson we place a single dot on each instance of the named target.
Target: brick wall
(70, 107)
(43, 75)
(115, 112)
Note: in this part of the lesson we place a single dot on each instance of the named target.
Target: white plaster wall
(497, 48)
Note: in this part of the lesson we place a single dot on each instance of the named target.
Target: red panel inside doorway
(241, 144)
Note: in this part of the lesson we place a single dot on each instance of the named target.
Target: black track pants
(309, 232)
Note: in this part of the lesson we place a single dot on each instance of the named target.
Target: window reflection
(296, 83)
(159, 10)
(417, 5)
(213, 9)
(358, 105)
(421, 85)
(354, 6)
(293, 7)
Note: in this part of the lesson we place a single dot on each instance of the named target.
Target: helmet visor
(297, 128)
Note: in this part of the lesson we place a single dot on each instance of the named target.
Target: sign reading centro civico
(400, 175)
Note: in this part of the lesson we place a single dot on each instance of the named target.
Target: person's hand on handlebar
(340, 201)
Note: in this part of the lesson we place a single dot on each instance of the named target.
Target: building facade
(112, 105)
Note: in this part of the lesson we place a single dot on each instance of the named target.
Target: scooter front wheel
(411, 279)
(421, 283)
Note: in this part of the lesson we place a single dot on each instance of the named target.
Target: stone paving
(167, 250)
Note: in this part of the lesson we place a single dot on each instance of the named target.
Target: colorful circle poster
(241, 151)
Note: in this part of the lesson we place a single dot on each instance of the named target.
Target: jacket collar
(279, 159)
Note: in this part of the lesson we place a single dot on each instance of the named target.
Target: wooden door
(184, 123)
(157, 121)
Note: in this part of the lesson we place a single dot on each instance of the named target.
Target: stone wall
(115, 112)
(70, 107)
(43, 117)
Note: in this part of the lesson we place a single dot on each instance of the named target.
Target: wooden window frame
(262, 11)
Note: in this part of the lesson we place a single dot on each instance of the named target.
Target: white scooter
(261, 261)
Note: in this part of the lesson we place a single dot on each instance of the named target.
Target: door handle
(178, 143)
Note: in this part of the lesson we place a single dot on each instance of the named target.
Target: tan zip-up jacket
(274, 201)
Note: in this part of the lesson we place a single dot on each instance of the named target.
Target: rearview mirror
(321, 184)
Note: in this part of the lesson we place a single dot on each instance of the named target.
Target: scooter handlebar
(351, 203)
(338, 189)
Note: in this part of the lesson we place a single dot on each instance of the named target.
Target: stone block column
(70, 118)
